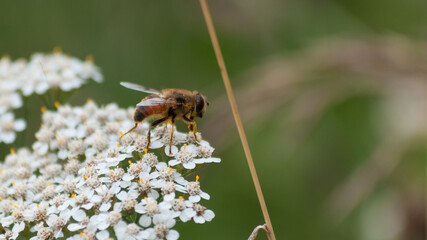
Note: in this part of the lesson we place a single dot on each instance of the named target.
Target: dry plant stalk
(254, 233)
(226, 79)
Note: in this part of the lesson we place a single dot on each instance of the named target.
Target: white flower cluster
(42, 73)
(78, 183)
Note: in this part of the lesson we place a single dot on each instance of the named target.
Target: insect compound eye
(200, 103)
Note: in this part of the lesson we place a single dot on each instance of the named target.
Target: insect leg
(136, 125)
(191, 126)
(194, 128)
(153, 124)
(171, 136)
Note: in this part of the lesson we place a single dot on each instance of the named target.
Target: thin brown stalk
(254, 233)
(236, 115)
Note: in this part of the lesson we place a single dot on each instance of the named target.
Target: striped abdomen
(143, 112)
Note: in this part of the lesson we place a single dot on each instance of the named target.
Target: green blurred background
(333, 95)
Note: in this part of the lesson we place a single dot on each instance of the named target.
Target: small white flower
(149, 208)
(193, 189)
(9, 100)
(178, 208)
(129, 231)
(197, 212)
(128, 200)
(162, 228)
(82, 221)
(57, 223)
(166, 173)
(185, 156)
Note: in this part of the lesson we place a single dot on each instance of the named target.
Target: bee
(167, 105)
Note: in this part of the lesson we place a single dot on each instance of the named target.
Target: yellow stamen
(15, 206)
(130, 163)
(12, 150)
(43, 109)
(57, 104)
(81, 233)
(170, 169)
(57, 50)
(1, 198)
(136, 136)
(145, 150)
(146, 199)
(89, 58)
(141, 180)
(180, 197)
(185, 145)
(121, 133)
(73, 195)
(50, 183)
(118, 144)
(197, 178)
(86, 177)
(111, 172)
(38, 206)
(13, 183)
(89, 100)
(132, 203)
(59, 142)
(120, 122)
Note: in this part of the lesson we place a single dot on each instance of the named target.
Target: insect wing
(140, 88)
(151, 102)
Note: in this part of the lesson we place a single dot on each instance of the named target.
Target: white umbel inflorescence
(78, 182)
(44, 75)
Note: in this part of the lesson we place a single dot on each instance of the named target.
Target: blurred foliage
(312, 102)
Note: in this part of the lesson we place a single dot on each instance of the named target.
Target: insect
(167, 105)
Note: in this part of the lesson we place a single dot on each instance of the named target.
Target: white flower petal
(102, 235)
(200, 160)
(79, 215)
(19, 125)
(18, 227)
(194, 199)
(173, 162)
(169, 197)
(122, 195)
(139, 208)
(215, 160)
(172, 235)
(8, 137)
(189, 212)
(145, 221)
(105, 207)
(199, 219)
(103, 225)
(189, 165)
(204, 195)
(74, 227)
(174, 151)
(208, 215)
(156, 144)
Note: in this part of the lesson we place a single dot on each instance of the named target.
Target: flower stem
(232, 100)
